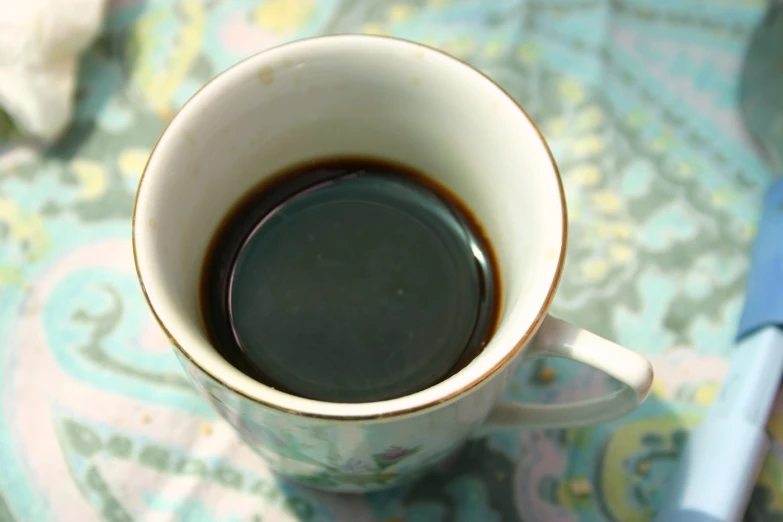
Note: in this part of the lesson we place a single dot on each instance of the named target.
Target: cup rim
(393, 412)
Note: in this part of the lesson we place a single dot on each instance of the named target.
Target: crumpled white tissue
(40, 44)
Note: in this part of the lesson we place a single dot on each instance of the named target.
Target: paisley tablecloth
(636, 98)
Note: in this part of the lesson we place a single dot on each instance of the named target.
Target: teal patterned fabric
(637, 99)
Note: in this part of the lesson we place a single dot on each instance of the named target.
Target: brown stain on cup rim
(267, 75)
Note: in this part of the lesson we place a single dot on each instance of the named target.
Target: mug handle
(558, 338)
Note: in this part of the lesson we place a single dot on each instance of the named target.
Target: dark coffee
(349, 280)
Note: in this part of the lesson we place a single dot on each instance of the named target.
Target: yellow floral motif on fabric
(628, 443)
(636, 118)
(400, 12)
(493, 49)
(590, 144)
(775, 429)
(607, 201)
(771, 476)
(594, 269)
(158, 85)
(748, 231)
(586, 175)
(24, 228)
(132, 161)
(375, 29)
(556, 127)
(590, 118)
(528, 53)
(11, 275)
(92, 178)
(284, 16)
(620, 253)
(685, 169)
(721, 198)
(706, 393)
(461, 47)
(572, 91)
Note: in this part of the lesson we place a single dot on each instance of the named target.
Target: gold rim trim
(403, 411)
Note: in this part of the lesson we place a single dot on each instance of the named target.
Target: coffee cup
(399, 101)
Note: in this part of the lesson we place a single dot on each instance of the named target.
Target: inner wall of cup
(405, 104)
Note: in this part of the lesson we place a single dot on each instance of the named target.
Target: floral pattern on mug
(362, 473)
(346, 457)
(392, 456)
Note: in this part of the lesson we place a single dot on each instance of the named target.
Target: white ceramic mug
(394, 100)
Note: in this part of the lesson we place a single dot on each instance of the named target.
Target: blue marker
(723, 456)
